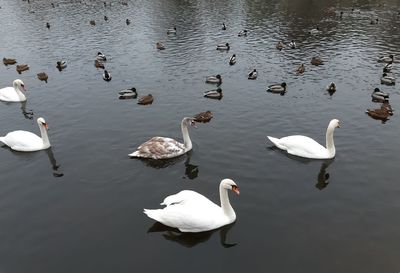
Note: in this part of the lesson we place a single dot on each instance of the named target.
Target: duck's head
(42, 122)
(254, 70)
(19, 84)
(229, 184)
(234, 55)
(227, 44)
(219, 90)
(391, 56)
(218, 76)
(377, 90)
(133, 89)
(283, 84)
(334, 123)
(384, 75)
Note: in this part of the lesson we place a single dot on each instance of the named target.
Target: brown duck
(316, 61)
(42, 76)
(21, 68)
(93, 22)
(98, 64)
(8, 61)
(146, 100)
(301, 69)
(203, 117)
(382, 113)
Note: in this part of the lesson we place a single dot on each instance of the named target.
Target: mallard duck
(374, 22)
(61, 65)
(98, 64)
(8, 61)
(127, 94)
(387, 79)
(232, 60)
(148, 99)
(379, 96)
(301, 69)
(386, 59)
(203, 117)
(292, 44)
(315, 31)
(388, 67)
(105, 18)
(242, 33)
(107, 76)
(223, 46)
(127, 21)
(331, 87)
(22, 67)
(48, 25)
(101, 56)
(381, 113)
(316, 61)
(280, 45)
(93, 22)
(252, 75)
(171, 31)
(42, 76)
(160, 46)
(214, 79)
(277, 88)
(223, 26)
(214, 94)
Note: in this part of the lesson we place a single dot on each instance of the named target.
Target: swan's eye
(22, 85)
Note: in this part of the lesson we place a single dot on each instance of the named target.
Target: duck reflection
(323, 175)
(53, 162)
(191, 239)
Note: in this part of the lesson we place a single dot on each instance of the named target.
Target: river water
(78, 207)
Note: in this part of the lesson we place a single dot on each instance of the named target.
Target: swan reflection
(191, 239)
(55, 167)
(323, 175)
(26, 114)
(191, 171)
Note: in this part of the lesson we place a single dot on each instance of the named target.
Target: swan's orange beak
(338, 125)
(23, 87)
(236, 189)
(46, 126)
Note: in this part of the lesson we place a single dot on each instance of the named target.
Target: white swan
(13, 94)
(164, 147)
(25, 141)
(190, 211)
(307, 147)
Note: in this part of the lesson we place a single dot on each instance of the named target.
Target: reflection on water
(191, 239)
(323, 175)
(191, 171)
(27, 114)
(55, 167)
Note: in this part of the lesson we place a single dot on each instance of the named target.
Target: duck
(382, 113)
(160, 46)
(9, 61)
(48, 25)
(21, 68)
(379, 96)
(101, 57)
(217, 79)
(306, 147)
(223, 26)
(42, 76)
(127, 21)
(214, 94)
(232, 60)
(388, 79)
(98, 64)
(13, 94)
(331, 88)
(190, 211)
(92, 22)
(280, 45)
(223, 46)
(242, 33)
(315, 31)
(128, 94)
(252, 75)
(316, 61)
(374, 22)
(277, 88)
(301, 69)
(24, 141)
(171, 31)
(388, 67)
(203, 117)
(292, 44)
(105, 18)
(148, 99)
(107, 76)
(61, 65)
(165, 147)
(386, 59)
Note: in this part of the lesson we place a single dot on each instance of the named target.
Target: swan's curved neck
(186, 138)
(330, 145)
(20, 95)
(45, 137)
(225, 204)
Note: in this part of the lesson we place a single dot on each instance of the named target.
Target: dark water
(289, 218)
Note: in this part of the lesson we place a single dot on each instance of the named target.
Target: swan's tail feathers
(153, 214)
(276, 142)
(134, 154)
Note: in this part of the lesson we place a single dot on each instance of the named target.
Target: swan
(107, 76)
(190, 211)
(232, 60)
(214, 79)
(277, 88)
(307, 147)
(214, 94)
(388, 79)
(292, 44)
(379, 96)
(13, 94)
(223, 46)
(386, 59)
(24, 141)
(252, 75)
(164, 147)
(242, 33)
(171, 31)
(128, 93)
(101, 56)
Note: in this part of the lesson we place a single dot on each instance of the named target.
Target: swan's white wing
(159, 147)
(9, 94)
(301, 146)
(23, 141)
